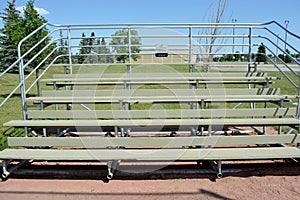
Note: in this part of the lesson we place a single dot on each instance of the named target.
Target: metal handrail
(186, 26)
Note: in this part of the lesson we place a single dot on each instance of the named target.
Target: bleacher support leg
(112, 167)
(217, 167)
(8, 171)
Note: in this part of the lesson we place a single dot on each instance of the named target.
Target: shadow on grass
(9, 132)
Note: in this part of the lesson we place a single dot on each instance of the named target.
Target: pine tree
(16, 28)
(103, 49)
(83, 49)
(62, 49)
(31, 21)
(92, 58)
(261, 54)
(10, 35)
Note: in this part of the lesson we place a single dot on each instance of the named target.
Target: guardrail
(190, 44)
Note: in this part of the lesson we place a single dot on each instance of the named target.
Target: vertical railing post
(69, 106)
(129, 50)
(129, 67)
(191, 66)
(70, 51)
(298, 106)
(250, 51)
(22, 89)
(250, 46)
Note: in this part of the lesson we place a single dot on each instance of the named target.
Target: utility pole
(243, 57)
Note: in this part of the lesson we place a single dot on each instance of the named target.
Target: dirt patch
(256, 180)
(268, 187)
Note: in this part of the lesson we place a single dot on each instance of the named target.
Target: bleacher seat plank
(155, 122)
(102, 142)
(211, 82)
(151, 154)
(161, 92)
(161, 114)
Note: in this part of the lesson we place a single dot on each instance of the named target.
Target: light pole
(243, 47)
(233, 33)
(285, 40)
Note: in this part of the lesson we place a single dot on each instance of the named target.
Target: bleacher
(156, 117)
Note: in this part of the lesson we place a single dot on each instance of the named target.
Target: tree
(63, 50)
(215, 16)
(92, 58)
(285, 58)
(261, 54)
(120, 42)
(88, 49)
(228, 57)
(237, 56)
(10, 35)
(83, 51)
(16, 28)
(103, 49)
(32, 20)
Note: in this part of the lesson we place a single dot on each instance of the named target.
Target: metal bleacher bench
(115, 135)
(160, 78)
(135, 96)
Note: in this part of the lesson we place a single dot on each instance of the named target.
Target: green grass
(12, 109)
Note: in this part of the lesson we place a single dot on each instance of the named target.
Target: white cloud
(41, 11)
(21, 9)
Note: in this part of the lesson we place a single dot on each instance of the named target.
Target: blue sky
(166, 11)
(145, 11)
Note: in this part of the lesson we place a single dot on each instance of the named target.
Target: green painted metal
(171, 123)
(141, 93)
(152, 76)
(161, 114)
(160, 99)
(78, 82)
(151, 154)
(100, 142)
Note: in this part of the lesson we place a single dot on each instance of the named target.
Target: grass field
(12, 109)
